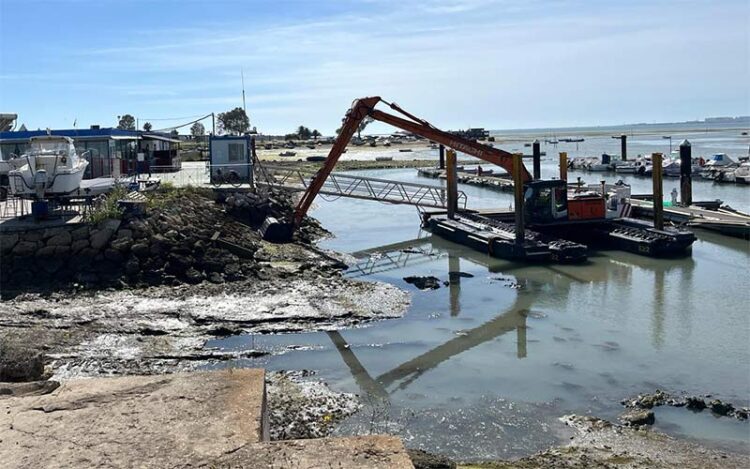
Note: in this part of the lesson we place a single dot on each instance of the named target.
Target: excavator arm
(365, 107)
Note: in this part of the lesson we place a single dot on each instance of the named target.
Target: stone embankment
(185, 237)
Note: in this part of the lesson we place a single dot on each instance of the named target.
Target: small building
(229, 155)
(162, 152)
(110, 152)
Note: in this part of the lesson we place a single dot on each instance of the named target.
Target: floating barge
(498, 239)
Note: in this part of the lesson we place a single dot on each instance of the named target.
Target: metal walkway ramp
(359, 187)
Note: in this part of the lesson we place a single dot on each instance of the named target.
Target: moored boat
(51, 167)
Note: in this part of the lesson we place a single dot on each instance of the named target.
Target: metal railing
(361, 187)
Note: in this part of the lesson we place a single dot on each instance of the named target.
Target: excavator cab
(545, 202)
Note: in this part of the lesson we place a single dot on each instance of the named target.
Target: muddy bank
(600, 444)
(191, 268)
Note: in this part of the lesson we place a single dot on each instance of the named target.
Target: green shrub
(105, 206)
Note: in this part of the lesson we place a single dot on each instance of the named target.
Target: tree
(234, 121)
(303, 132)
(174, 133)
(316, 134)
(197, 130)
(127, 122)
(365, 122)
(147, 126)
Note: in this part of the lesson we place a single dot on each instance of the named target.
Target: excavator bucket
(276, 231)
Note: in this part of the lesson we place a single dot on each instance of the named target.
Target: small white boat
(713, 166)
(742, 174)
(51, 167)
(287, 153)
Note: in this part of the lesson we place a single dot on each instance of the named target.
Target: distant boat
(384, 158)
(316, 158)
(287, 153)
(404, 150)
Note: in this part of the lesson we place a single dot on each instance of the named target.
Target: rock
(18, 363)
(140, 249)
(132, 266)
(637, 417)
(25, 248)
(7, 242)
(51, 265)
(122, 244)
(424, 283)
(695, 403)
(113, 255)
(193, 276)
(178, 264)
(215, 277)
(649, 401)
(721, 408)
(80, 233)
(124, 233)
(424, 460)
(61, 239)
(79, 244)
(99, 238)
(33, 236)
(46, 251)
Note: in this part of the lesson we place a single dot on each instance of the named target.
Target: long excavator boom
(365, 107)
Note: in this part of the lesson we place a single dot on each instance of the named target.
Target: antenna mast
(244, 108)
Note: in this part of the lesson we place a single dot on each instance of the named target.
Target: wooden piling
(563, 166)
(442, 156)
(624, 147)
(451, 178)
(686, 174)
(537, 155)
(518, 193)
(658, 191)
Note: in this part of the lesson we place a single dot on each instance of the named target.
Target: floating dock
(498, 239)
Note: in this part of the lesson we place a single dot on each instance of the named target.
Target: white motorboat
(51, 167)
(742, 174)
(713, 166)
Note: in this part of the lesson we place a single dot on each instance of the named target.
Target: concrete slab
(362, 452)
(138, 421)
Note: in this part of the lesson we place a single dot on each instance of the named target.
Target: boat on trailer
(51, 167)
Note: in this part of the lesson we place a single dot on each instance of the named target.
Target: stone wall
(173, 244)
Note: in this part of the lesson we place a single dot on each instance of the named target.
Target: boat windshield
(718, 157)
(53, 147)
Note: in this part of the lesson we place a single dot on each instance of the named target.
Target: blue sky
(457, 63)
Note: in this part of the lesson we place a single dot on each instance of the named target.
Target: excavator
(361, 109)
(547, 203)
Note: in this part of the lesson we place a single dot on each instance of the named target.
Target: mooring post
(518, 192)
(624, 147)
(537, 154)
(686, 173)
(442, 156)
(658, 191)
(563, 166)
(451, 178)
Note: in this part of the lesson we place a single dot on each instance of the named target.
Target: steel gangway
(358, 187)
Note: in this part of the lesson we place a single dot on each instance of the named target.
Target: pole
(537, 160)
(518, 192)
(213, 123)
(686, 174)
(658, 191)
(452, 182)
(624, 147)
(442, 156)
(563, 166)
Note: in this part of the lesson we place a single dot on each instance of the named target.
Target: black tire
(234, 179)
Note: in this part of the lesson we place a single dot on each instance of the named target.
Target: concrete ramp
(204, 419)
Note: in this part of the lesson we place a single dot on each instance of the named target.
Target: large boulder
(19, 363)
(61, 239)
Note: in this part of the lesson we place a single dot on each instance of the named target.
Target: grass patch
(106, 207)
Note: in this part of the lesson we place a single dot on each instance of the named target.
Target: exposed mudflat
(163, 329)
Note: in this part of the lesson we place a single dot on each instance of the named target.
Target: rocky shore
(143, 293)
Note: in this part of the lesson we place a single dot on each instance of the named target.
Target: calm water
(482, 368)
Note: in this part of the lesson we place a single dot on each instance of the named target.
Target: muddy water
(483, 367)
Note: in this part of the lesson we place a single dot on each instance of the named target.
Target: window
(236, 153)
